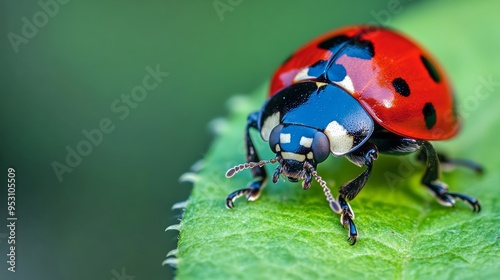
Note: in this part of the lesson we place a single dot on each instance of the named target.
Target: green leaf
(289, 233)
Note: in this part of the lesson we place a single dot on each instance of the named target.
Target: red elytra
(400, 85)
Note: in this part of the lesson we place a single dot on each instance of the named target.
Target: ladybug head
(298, 150)
(299, 143)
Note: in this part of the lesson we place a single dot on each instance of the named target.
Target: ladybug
(354, 92)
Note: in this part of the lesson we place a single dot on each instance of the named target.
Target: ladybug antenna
(334, 205)
(230, 173)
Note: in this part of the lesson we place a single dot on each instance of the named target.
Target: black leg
(453, 162)
(365, 155)
(389, 144)
(438, 188)
(254, 188)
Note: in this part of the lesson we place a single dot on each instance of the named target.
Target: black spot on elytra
(351, 46)
(429, 115)
(361, 49)
(431, 69)
(401, 87)
(333, 42)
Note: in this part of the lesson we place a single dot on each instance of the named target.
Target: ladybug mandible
(354, 92)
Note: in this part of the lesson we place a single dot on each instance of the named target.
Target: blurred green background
(74, 61)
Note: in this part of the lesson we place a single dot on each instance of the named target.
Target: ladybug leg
(365, 155)
(438, 188)
(346, 219)
(453, 162)
(254, 188)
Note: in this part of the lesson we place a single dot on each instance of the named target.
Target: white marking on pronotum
(271, 122)
(306, 141)
(347, 84)
(340, 141)
(310, 155)
(285, 138)
(277, 148)
(294, 156)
